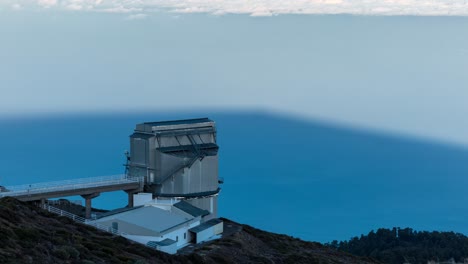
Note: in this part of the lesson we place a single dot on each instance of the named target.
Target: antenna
(127, 161)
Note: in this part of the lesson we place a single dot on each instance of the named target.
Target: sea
(308, 179)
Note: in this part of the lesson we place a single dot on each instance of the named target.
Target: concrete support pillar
(130, 194)
(88, 198)
(43, 202)
(130, 199)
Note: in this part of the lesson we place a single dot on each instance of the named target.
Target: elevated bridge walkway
(88, 188)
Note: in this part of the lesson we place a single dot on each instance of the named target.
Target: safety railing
(82, 220)
(68, 185)
(64, 202)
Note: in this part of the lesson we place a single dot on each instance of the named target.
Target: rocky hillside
(31, 235)
(252, 245)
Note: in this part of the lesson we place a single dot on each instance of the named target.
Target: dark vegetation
(29, 234)
(256, 246)
(408, 246)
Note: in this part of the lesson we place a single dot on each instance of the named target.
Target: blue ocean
(311, 180)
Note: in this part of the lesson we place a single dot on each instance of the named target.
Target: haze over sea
(312, 180)
(381, 69)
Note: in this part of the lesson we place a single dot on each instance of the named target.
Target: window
(185, 235)
(177, 238)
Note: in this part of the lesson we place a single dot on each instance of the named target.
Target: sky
(141, 8)
(398, 66)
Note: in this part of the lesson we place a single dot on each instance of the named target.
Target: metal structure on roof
(206, 225)
(178, 158)
(178, 122)
(190, 209)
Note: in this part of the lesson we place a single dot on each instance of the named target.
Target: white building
(166, 225)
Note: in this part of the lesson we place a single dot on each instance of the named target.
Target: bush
(29, 234)
(61, 254)
(72, 252)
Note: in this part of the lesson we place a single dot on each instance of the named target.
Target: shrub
(29, 234)
(61, 254)
(72, 252)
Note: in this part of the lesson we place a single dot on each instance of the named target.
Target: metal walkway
(88, 188)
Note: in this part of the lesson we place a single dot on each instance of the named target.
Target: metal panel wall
(139, 150)
(185, 164)
(209, 232)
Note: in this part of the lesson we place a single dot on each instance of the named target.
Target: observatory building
(172, 184)
(179, 159)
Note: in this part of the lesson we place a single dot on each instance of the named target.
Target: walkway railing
(82, 220)
(68, 185)
(64, 202)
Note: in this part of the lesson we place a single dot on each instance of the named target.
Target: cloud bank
(258, 7)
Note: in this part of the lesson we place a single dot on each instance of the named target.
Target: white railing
(64, 213)
(65, 202)
(68, 185)
(82, 220)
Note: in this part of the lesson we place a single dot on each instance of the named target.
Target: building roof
(205, 225)
(190, 195)
(163, 243)
(203, 146)
(197, 150)
(117, 211)
(179, 122)
(190, 209)
(147, 220)
(175, 127)
(141, 135)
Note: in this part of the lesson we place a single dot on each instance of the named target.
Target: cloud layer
(257, 7)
